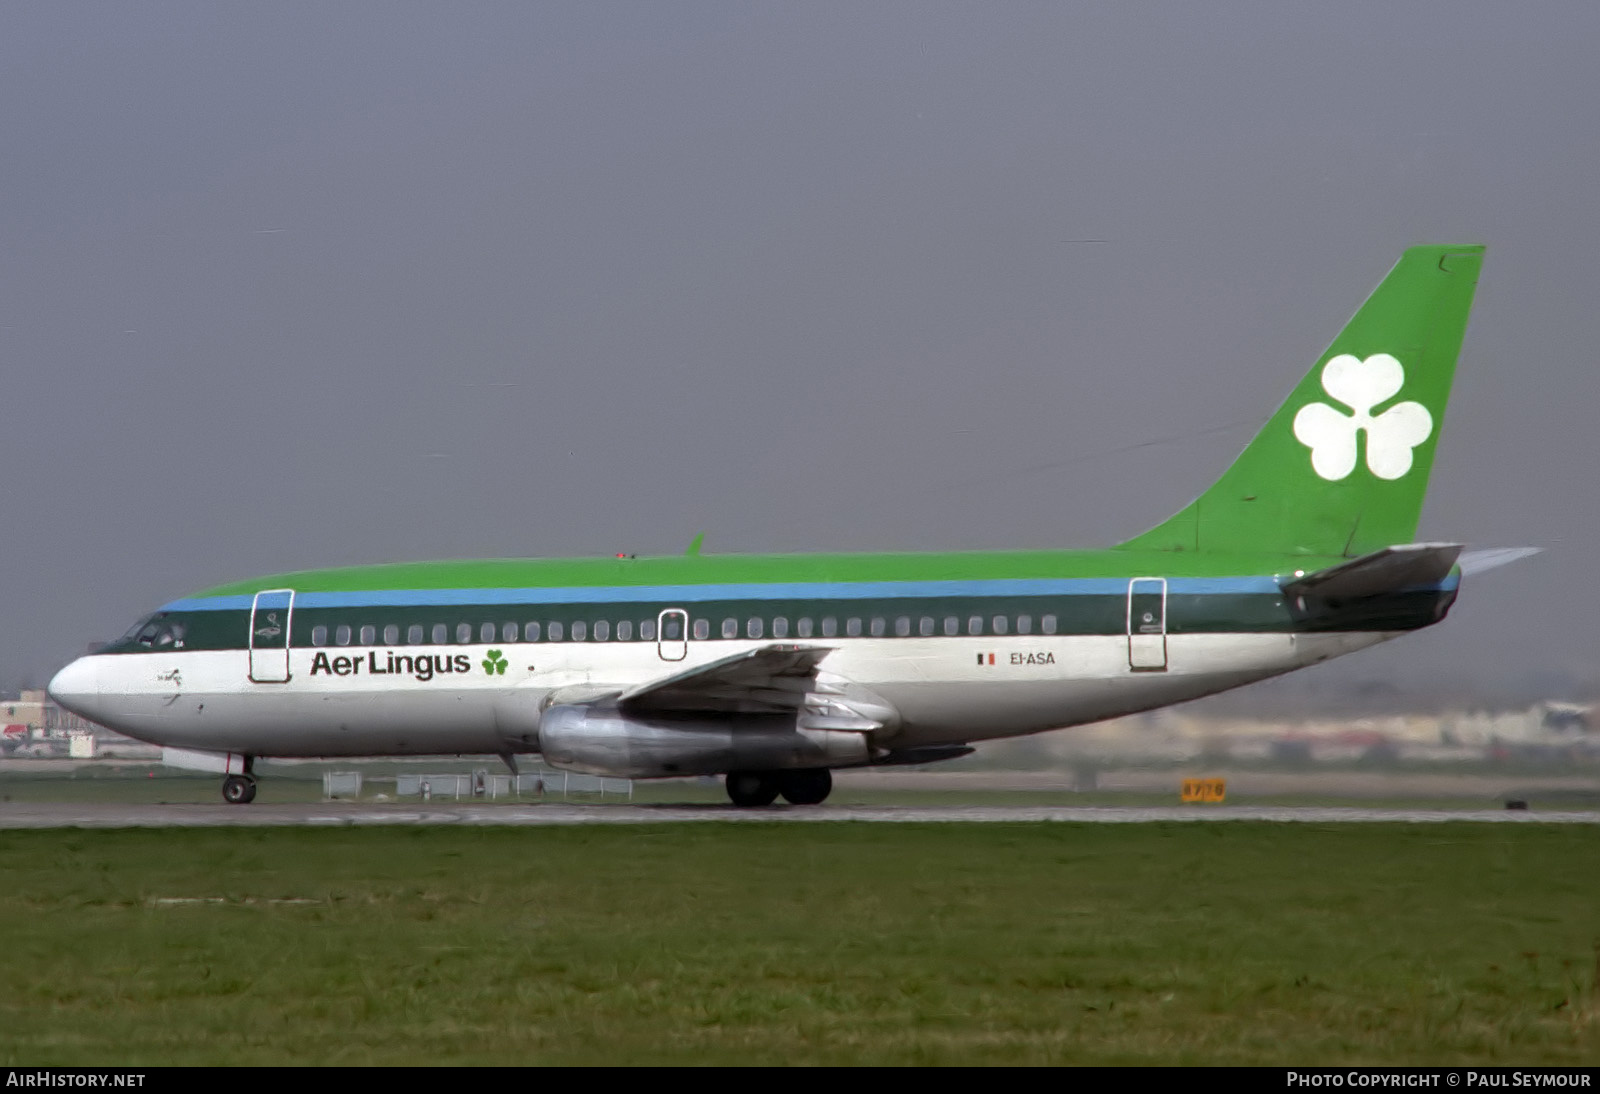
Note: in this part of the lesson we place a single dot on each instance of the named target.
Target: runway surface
(337, 814)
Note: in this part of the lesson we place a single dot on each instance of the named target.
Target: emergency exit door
(672, 634)
(1147, 624)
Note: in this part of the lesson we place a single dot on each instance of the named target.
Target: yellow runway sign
(1204, 790)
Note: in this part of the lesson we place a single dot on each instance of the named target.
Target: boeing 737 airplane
(771, 670)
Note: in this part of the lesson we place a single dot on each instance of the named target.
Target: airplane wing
(771, 680)
(1385, 571)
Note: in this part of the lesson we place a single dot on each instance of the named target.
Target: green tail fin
(1342, 467)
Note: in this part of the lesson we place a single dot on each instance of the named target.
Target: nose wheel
(238, 790)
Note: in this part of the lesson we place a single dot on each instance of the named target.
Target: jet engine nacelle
(602, 741)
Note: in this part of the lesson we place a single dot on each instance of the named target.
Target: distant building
(32, 724)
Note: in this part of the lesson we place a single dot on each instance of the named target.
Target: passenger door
(1147, 624)
(271, 614)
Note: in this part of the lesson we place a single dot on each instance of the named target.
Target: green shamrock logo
(494, 663)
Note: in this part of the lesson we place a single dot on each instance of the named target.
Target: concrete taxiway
(339, 814)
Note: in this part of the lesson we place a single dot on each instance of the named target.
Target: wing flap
(774, 679)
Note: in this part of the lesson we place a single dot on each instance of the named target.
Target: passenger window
(508, 632)
(1024, 624)
(342, 634)
(441, 634)
(391, 634)
(730, 628)
(780, 627)
(925, 627)
(852, 627)
(877, 627)
(830, 626)
(602, 631)
(752, 627)
(1001, 624)
(369, 634)
(624, 630)
(463, 633)
(414, 634)
(902, 626)
(803, 628)
(1048, 624)
(319, 636)
(486, 633)
(580, 630)
(555, 631)
(647, 630)
(952, 625)
(975, 625)
(530, 633)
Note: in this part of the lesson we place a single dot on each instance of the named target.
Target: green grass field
(789, 943)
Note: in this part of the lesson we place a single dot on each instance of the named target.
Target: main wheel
(751, 788)
(238, 790)
(808, 786)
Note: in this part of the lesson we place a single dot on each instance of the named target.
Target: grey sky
(286, 286)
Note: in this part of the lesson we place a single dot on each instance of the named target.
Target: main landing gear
(808, 786)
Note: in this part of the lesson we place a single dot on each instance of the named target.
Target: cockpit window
(134, 630)
(157, 632)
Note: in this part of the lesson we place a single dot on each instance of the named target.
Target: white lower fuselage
(942, 690)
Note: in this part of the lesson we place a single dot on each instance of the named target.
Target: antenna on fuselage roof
(694, 545)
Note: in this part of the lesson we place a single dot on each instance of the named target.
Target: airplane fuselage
(333, 663)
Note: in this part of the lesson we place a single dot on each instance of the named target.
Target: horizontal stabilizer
(770, 680)
(1490, 558)
(1386, 571)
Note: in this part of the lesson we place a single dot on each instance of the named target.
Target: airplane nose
(76, 687)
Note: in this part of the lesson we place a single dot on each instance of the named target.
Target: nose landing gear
(238, 790)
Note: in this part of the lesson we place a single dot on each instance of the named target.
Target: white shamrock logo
(1362, 385)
